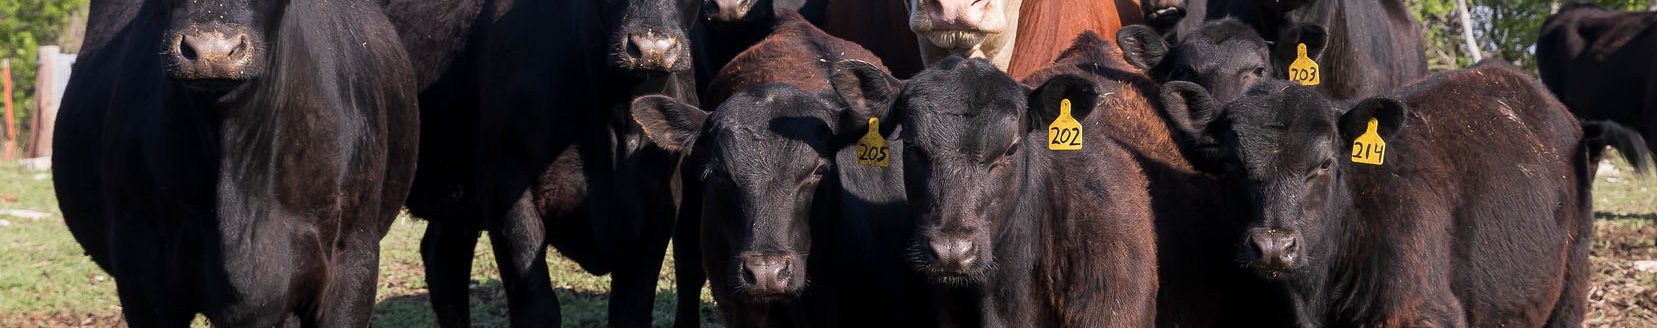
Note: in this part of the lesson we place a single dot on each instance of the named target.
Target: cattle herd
(862, 163)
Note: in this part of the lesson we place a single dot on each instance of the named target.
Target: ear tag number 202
(1065, 133)
(871, 149)
(1369, 148)
(1303, 70)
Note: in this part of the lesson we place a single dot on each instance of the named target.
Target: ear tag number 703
(1303, 70)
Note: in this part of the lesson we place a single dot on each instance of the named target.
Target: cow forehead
(776, 128)
(965, 109)
(1285, 125)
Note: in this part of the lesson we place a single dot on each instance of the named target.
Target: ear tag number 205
(1369, 148)
(871, 149)
(1303, 70)
(1065, 133)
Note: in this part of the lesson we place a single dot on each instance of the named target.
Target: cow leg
(349, 298)
(687, 264)
(447, 252)
(633, 285)
(521, 252)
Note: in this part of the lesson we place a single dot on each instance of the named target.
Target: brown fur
(792, 54)
(1199, 282)
(1046, 28)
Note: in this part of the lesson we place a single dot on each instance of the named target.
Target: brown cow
(1018, 36)
(1047, 27)
(1201, 285)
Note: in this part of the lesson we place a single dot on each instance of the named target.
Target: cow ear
(1141, 46)
(1046, 100)
(669, 123)
(1190, 107)
(1316, 38)
(867, 90)
(1193, 112)
(1388, 113)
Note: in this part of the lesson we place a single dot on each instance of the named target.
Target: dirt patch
(1623, 296)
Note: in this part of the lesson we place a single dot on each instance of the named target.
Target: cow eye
(1327, 162)
(1258, 71)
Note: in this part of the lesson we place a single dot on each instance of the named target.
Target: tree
(1505, 29)
(24, 26)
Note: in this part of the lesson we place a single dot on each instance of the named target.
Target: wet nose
(959, 15)
(213, 54)
(954, 254)
(767, 275)
(1278, 249)
(727, 10)
(653, 51)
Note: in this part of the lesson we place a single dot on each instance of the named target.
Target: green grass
(46, 281)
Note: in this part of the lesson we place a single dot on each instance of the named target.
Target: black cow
(1224, 56)
(1010, 232)
(249, 170)
(1196, 232)
(1598, 61)
(535, 145)
(773, 177)
(1477, 214)
(1363, 47)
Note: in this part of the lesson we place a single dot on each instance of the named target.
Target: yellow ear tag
(1303, 70)
(871, 149)
(1065, 133)
(1369, 148)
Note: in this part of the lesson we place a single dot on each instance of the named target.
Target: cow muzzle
(1273, 252)
(212, 58)
(653, 51)
(770, 275)
(727, 11)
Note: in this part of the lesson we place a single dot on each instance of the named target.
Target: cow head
(1285, 149)
(217, 44)
(963, 27)
(651, 36)
(964, 127)
(1225, 56)
(766, 159)
(1164, 13)
(734, 11)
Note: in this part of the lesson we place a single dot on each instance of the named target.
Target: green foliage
(1505, 29)
(24, 26)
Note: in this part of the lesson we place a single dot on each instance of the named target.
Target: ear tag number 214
(1369, 148)
(1065, 133)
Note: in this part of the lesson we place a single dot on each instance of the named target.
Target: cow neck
(288, 141)
(1343, 280)
(1030, 215)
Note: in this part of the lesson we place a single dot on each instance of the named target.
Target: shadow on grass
(580, 308)
(1625, 216)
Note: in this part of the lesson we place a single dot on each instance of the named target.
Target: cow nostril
(239, 46)
(186, 51)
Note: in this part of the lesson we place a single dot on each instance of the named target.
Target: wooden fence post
(10, 151)
(51, 78)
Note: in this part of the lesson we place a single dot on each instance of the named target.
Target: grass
(45, 281)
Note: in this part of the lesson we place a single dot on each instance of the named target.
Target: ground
(45, 281)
